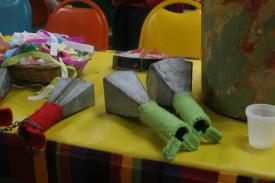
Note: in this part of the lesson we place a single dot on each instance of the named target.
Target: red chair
(88, 22)
(40, 12)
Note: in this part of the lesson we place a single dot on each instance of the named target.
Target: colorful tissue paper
(62, 48)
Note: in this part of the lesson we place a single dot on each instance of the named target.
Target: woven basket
(37, 73)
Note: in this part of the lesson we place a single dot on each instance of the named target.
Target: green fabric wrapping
(192, 113)
(170, 128)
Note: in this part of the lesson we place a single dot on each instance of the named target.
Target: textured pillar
(238, 54)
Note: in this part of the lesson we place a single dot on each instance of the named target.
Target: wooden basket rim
(35, 66)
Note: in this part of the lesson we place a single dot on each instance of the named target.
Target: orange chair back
(40, 12)
(88, 22)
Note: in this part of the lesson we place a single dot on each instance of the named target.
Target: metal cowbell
(5, 82)
(124, 93)
(73, 95)
(168, 77)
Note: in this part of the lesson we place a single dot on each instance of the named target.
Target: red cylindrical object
(5, 116)
(32, 128)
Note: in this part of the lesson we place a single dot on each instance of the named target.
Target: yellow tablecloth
(94, 128)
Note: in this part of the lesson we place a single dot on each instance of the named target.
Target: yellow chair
(176, 34)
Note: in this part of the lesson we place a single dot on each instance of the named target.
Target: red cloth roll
(32, 128)
(5, 116)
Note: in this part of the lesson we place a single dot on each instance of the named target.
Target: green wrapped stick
(192, 113)
(178, 134)
(169, 83)
(126, 96)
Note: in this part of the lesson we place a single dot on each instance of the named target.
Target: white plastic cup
(261, 125)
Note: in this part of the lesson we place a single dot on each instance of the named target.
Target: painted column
(238, 54)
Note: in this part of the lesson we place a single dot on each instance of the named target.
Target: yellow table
(96, 129)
